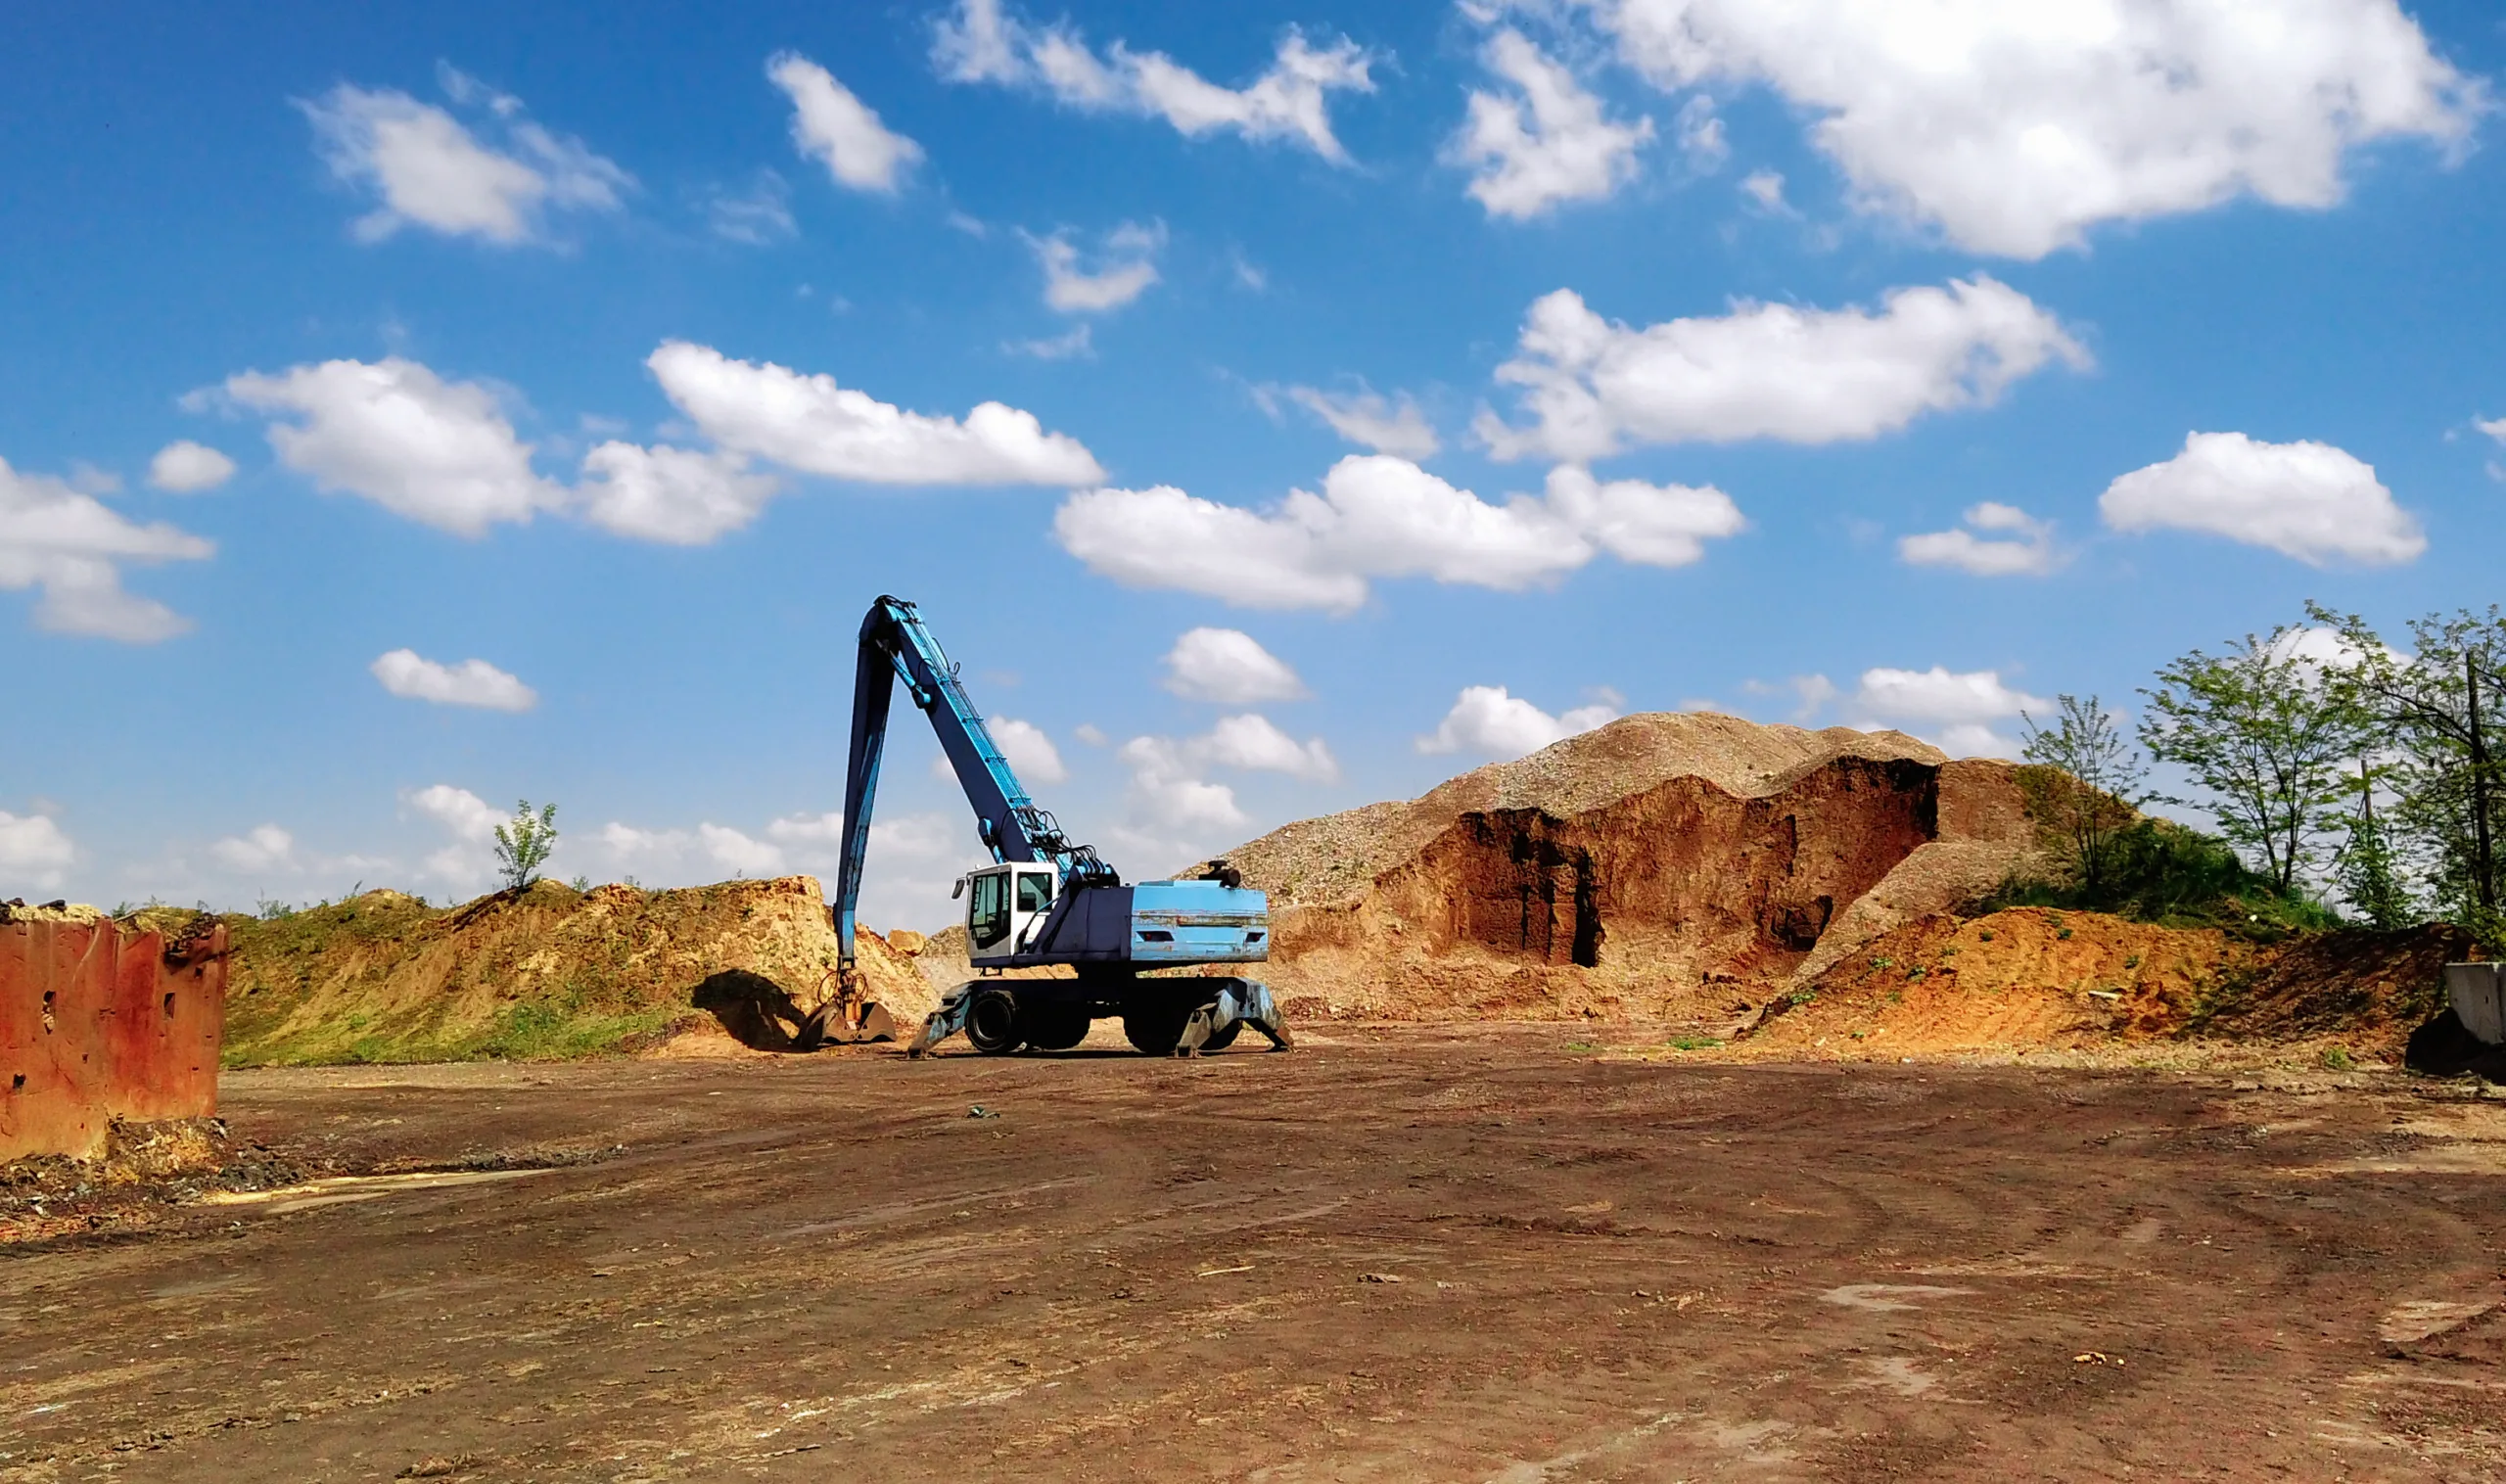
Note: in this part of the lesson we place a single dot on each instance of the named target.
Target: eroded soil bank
(1414, 1253)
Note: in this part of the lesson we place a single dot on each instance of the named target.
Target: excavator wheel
(993, 1023)
(1055, 1027)
(1153, 1030)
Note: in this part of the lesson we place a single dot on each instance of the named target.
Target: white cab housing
(1004, 905)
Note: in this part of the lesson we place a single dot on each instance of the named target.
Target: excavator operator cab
(1004, 905)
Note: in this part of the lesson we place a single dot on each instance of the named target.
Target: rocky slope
(1662, 862)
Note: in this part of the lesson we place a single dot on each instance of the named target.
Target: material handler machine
(1045, 900)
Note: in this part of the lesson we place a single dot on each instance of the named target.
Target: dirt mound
(547, 972)
(2031, 978)
(1638, 870)
(16, 909)
(1336, 856)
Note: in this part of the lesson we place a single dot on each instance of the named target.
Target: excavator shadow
(755, 1011)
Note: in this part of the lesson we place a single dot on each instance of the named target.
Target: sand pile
(550, 972)
(1636, 871)
(2031, 978)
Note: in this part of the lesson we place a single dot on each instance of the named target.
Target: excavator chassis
(1179, 1017)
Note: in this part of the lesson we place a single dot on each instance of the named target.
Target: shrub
(523, 844)
(2167, 873)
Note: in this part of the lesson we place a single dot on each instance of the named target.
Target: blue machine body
(1086, 916)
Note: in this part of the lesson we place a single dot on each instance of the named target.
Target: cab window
(987, 909)
(1035, 892)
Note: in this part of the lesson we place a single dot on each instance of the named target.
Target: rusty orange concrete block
(99, 1022)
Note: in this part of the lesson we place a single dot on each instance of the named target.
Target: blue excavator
(1045, 902)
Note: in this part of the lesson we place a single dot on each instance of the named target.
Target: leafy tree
(2264, 734)
(523, 845)
(2438, 710)
(2091, 793)
(2369, 869)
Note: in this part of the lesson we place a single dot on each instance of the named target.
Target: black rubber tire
(1056, 1027)
(1221, 1040)
(993, 1023)
(1153, 1031)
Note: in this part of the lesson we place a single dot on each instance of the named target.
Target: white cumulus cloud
(1487, 722)
(1546, 143)
(1107, 280)
(1366, 417)
(1651, 525)
(1077, 342)
(71, 545)
(1168, 792)
(467, 819)
(472, 683)
(1775, 371)
(428, 168)
(2307, 500)
(463, 814)
(183, 467)
(683, 497)
(260, 851)
(711, 850)
(1173, 804)
(839, 130)
(1254, 743)
(1228, 667)
(34, 850)
(2014, 128)
(759, 217)
(394, 433)
(2013, 544)
(980, 42)
(1029, 750)
(1381, 517)
(1955, 710)
(809, 424)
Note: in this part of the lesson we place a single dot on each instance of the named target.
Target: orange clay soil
(2035, 979)
(1645, 871)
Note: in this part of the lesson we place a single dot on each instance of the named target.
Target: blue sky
(1272, 409)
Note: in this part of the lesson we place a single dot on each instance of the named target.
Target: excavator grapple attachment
(845, 1017)
(829, 1025)
(1239, 1003)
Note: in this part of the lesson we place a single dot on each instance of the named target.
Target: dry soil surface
(1476, 1254)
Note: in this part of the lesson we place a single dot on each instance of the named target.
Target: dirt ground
(1401, 1253)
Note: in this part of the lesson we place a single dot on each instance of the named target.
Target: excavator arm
(897, 646)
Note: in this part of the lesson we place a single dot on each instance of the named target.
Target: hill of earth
(2032, 979)
(1639, 871)
(545, 972)
(1769, 891)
